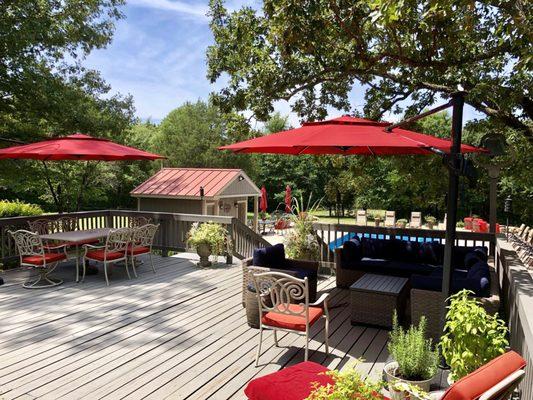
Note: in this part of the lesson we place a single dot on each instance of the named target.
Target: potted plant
(430, 221)
(377, 220)
(401, 223)
(472, 337)
(301, 242)
(415, 360)
(208, 238)
(348, 384)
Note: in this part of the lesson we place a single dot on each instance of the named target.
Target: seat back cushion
(375, 248)
(292, 383)
(271, 256)
(352, 251)
(431, 253)
(485, 377)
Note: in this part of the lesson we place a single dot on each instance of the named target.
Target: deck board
(179, 333)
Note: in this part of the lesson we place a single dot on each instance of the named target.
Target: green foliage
(430, 219)
(348, 384)
(209, 233)
(315, 55)
(301, 242)
(18, 208)
(402, 221)
(460, 224)
(412, 351)
(472, 336)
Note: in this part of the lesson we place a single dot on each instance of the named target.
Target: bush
(18, 208)
(414, 353)
(209, 233)
(472, 337)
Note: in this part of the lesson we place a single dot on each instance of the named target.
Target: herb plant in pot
(430, 221)
(472, 337)
(208, 238)
(401, 223)
(415, 360)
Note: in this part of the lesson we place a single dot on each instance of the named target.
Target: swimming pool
(339, 241)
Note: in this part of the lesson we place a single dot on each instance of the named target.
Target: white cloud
(192, 10)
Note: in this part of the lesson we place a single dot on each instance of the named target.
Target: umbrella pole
(454, 162)
(51, 187)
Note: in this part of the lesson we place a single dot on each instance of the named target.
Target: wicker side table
(252, 309)
(374, 298)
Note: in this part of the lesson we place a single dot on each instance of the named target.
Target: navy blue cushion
(478, 279)
(271, 256)
(352, 251)
(434, 282)
(431, 253)
(375, 248)
(471, 259)
(302, 273)
(404, 268)
(403, 250)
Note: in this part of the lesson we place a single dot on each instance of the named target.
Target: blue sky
(158, 56)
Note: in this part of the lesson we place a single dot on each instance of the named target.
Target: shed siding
(184, 206)
(240, 188)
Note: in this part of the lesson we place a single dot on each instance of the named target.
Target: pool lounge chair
(416, 220)
(390, 218)
(360, 218)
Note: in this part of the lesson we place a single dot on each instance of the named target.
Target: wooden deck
(180, 333)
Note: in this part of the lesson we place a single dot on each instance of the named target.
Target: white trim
(209, 198)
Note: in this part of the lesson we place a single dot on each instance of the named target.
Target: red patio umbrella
(348, 136)
(76, 147)
(263, 205)
(288, 199)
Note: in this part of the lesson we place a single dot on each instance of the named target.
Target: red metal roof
(186, 182)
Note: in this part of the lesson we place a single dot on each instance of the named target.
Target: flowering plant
(301, 243)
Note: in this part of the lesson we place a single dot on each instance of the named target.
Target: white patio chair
(390, 218)
(416, 220)
(278, 295)
(33, 253)
(360, 218)
(138, 221)
(114, 250)
(142, 240)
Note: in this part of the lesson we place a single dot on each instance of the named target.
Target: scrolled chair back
(118, 240)
(144, 235)
(138, 221)
(276, 292)
(28, 243)
(67, 224)
(43, 226)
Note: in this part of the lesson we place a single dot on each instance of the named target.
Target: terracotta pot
(391, 375)
(401, 225)
(204, 251)
(376, 222)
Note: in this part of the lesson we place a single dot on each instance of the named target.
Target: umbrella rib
(370, 150)
(303, 149)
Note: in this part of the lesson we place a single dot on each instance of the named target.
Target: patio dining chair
(390, 218)
(34, 254)
(283, 302)
(360, 218)
(114, 250)
(416, 220)
(142, 240)
(43, 226)
(138, 221)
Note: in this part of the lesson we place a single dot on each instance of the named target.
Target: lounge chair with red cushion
(495, 380)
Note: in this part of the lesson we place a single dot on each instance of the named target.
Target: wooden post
(494, 174)
(256, 213)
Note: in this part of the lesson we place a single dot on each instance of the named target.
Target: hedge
(18, 208)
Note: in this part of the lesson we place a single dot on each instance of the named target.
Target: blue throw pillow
(271, 256)
(352, 251)
(471, 259)
(478, 279)
(431, 253)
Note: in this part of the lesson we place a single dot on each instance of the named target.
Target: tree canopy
(314, 52)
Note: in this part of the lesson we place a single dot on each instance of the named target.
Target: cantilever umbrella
(357, 136)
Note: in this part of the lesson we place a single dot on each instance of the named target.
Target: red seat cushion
(292, 383)
(100, 254)
(294, 322)
(138, 250)
(48, 257)
(482, 379)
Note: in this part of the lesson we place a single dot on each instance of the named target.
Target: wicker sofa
(298, 268)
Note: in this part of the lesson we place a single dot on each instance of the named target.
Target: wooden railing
(171, 236)
(516, 285)
(334, 235)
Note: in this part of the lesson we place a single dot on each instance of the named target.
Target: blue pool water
(339, 241)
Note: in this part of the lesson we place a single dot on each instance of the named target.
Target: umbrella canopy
(263, 201)
(348, 136)
(288, 199)
(76, 147)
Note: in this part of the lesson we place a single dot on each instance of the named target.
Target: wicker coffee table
(374, 298)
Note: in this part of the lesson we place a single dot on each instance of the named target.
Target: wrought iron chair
(138, 221)
(284, 306)
(114, 250)
(43, 226)
(33, 253)
(142, 240)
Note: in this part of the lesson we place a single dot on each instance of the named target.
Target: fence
(171, 236)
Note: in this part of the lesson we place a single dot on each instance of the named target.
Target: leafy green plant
(18, 208)
(401, 222)
(348, 385)
(211, 234)
(416, 358)
(301, 243)
(430, 219)
(410, 390)
(372, 215)
(472, 337)
(460, 224)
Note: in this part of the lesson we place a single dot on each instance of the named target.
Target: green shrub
(472, 337)
(209, 233)
(413, 352)
(430, 219)
(372, 215)
(18, 208)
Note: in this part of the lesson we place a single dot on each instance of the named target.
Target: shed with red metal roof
(204, 191)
